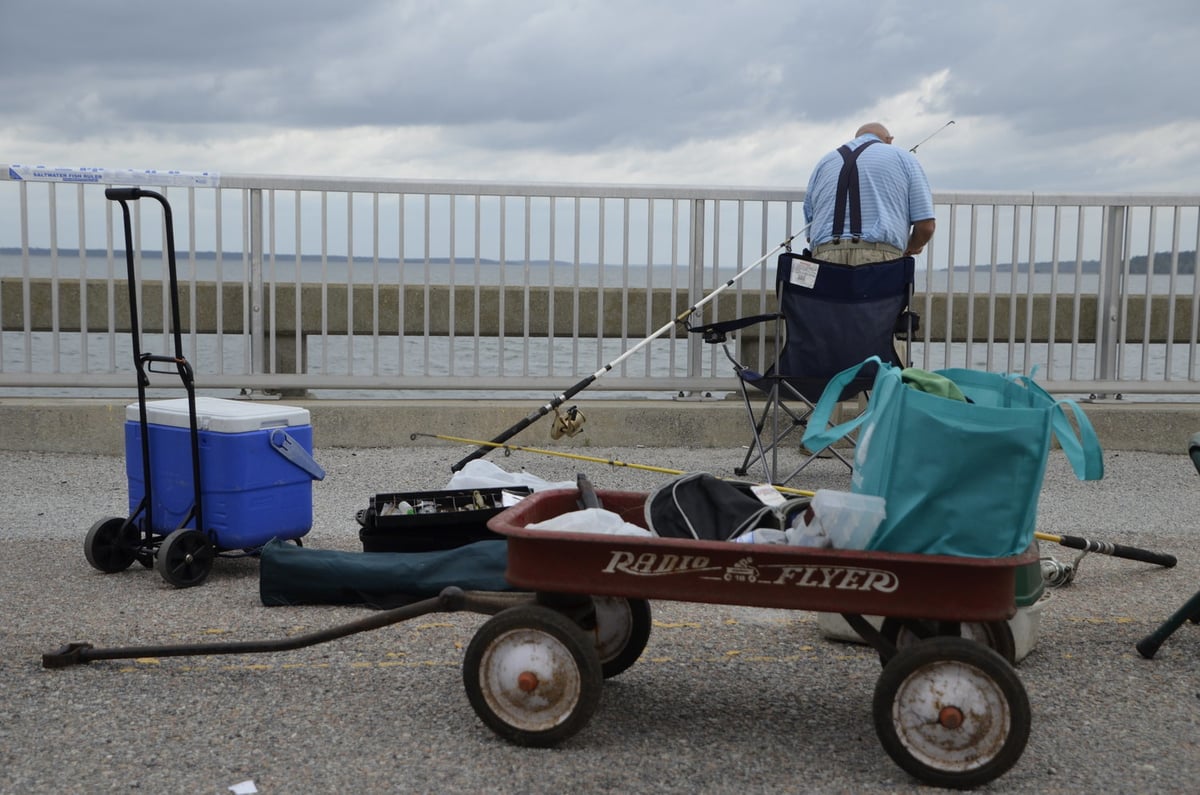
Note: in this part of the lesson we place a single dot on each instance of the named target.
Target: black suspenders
(848, 188)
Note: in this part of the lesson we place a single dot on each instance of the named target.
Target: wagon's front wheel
(185, 558)
(951, 712)
(532, 676)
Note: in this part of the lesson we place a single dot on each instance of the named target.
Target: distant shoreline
(1137, 265)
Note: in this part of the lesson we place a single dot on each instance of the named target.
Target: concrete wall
(96, 426)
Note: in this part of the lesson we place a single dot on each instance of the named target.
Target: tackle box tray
(441, 519)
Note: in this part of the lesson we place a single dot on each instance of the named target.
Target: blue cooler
(256, 468)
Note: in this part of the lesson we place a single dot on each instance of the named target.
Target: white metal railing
(364, 287)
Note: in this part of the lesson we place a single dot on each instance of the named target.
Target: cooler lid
(219, 415)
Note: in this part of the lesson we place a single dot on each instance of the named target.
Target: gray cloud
(580, 78)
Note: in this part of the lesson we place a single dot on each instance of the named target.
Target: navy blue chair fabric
(834, 317)
(847, 315)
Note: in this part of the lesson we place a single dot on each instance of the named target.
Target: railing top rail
(631, 191)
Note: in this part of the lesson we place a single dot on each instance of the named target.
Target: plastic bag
(591, 520)
(480, 474)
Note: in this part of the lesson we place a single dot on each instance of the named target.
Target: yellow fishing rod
(577, 457)
(1073, 542)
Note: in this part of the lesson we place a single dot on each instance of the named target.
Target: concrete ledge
(73, 425)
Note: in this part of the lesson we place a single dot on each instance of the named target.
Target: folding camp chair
(833, 316)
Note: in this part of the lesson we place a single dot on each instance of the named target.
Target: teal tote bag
(960, 477)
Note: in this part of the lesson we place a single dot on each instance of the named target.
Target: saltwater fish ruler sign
(116, 176)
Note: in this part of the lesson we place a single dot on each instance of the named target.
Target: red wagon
(949, 710)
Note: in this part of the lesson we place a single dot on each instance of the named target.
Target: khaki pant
(848, 252)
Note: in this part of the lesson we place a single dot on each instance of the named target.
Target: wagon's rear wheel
(111, 544)
(532, 676)
(951, 712)
(621, 633)
(185, 558)
(996, 635)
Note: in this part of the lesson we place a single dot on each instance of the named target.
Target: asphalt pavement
(724, 698)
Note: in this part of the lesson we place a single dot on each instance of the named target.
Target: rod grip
(1119, 551)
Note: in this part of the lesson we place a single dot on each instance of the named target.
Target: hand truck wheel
(111, 544)
(185, 558)
(532, 676)
(951, 712)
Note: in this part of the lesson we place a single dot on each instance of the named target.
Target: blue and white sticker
(116, 176)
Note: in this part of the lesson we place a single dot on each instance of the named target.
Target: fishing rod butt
(1163, 559)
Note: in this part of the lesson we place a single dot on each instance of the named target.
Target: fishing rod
(935, 132)
(1073, 542)
(559, 399)
(508, 448)
(1115, 550)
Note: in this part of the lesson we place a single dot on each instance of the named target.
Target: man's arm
(922, 232)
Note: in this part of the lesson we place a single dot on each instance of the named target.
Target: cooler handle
(293, 451)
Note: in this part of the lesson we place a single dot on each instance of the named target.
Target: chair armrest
(717, 332)
(906, 322)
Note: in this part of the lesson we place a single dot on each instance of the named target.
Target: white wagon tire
(532, 676)
(951, 712)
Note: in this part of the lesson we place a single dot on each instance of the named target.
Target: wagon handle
(450, 600)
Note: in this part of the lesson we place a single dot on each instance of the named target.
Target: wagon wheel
(532, 676)
(621, 633)
(996, 635)
(111, 545)
(185, 558)
(951, 712)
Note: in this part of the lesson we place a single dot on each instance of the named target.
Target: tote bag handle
(1081, 448)
(818, 435)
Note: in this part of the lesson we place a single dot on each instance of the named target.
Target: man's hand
(922, 232)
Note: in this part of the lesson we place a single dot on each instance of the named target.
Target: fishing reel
(1056, 574)
(567, 423)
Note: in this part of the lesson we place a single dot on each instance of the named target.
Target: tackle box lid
(219, 415)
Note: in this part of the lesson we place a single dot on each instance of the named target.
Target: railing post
(257, 315)
(1108, 299)
(696, 281)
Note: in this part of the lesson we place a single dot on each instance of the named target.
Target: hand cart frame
(182, 555)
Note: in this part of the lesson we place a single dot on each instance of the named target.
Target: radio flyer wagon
(948, 710)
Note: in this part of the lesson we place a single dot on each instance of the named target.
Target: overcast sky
(1052, 96)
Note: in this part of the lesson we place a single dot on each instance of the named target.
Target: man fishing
(868, 201)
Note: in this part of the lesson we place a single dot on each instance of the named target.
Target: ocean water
(286, 270)
(568, 360)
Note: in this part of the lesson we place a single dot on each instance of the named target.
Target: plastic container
(254, 488)
(848, 519)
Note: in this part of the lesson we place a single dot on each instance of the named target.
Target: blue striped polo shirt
(893, 189)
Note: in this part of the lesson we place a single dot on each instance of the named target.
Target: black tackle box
(438, 519)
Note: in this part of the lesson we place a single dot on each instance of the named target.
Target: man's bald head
(876, 129)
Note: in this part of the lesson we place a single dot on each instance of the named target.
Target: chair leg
(1190, 610)
(773, 409)
(757, 424)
